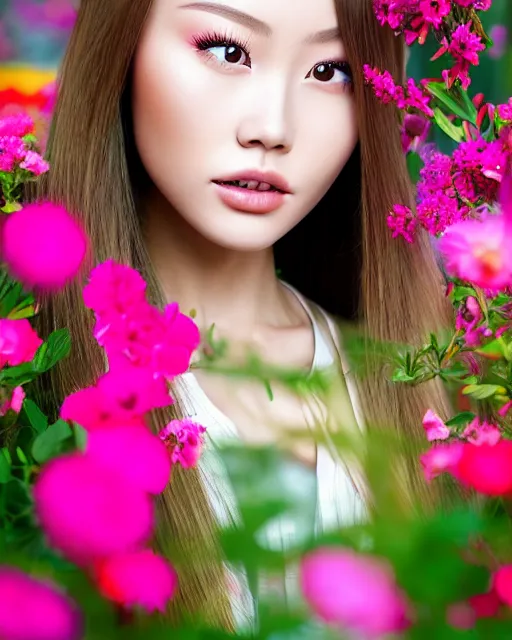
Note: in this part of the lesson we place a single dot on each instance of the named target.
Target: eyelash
(216, 39)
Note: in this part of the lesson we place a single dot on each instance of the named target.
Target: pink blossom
(88, 512)
(499, 35)
(114, 289)
(502, 584)
(464, 46)
(34, 609)
(461, 616)
(435, 12)
(487, 468)
(470, 160)
(18, 342)
(441, 458)
(479, 252)
(185, 440)
(353, 592)
(18, 125)
(138, 579)
(34, 163)
(485, 605)
(161, 342)
(435, 428)
(478, 432)
(505, 111)
(391, 12)
(402, 222)
(134, 454)
(43, 246)
(121, 397)
(468, 320)
(14, 403)
(415, 130)
(12, 151)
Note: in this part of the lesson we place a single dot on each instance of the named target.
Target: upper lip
(270, 177)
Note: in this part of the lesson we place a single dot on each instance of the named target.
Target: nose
(267, 120)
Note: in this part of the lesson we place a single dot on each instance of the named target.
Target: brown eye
(230, 54)
(323, 72)
(332, 73)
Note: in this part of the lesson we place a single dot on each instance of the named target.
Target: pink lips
(251, 200)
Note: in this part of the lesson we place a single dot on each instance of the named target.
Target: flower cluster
(417, 18)
(146, 349)
(410, 97)
(19, 158)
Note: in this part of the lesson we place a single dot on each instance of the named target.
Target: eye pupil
(324, 72)
(233, 54)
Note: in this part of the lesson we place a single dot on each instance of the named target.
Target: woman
(208, 144)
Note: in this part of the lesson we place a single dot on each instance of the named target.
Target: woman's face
(256, 91)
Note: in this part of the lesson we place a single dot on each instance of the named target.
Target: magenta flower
(499, 36)
(114, 289)
(479, 252)
(35, 610)
(487, 468)
(505, 111)
(18, 125)
(14, 403)
(434, 427)
(435, 12)
(414, 132)
(12, 151)
(121, 397)
(478, 432)
(43, 246)
(138, 579)
(402, 222)
(468, 320)
(441, 458)
(134, 454)
(353, 592)
(34, 163)
(391, 12)
(88, 512)
(185, 440)
(18, 342)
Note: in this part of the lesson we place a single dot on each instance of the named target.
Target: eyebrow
(256, 25)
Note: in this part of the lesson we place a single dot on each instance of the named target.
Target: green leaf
(35, 416)
(482, 391)
(13, 297)
(461, 293)
(20, 375)
(5, 467)
(493, 350)
(414, 165)
(53, 350)
(461, 419)
(446, 98)
(49, 444)
(455, 133)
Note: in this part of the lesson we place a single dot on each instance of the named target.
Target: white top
(337, 501)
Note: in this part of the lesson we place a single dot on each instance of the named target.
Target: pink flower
(499, 35)
(485, 605)
(185, 440)
(402, 222)
(435, 12)
(353, 592)
(18, 125)
(34, 163)
(121, 397)
(18, 342)
(134, 454)
(163, 343)
(441, 458)
(139, 579)
(43, 246)
(35, 610)
(487, 468)
(414, 132)
(88, 512)
(479, 252)
(505, 111)
(435, 427)
(468, 320)
(12, 151)
(14, 403)
(114, 289)
(461, 616)
(479, 433)
(502, 584)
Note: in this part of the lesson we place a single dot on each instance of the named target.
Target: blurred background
(34, 33)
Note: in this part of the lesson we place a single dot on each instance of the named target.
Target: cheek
(167, 104)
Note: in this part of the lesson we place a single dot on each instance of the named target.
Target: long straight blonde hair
(95, 171)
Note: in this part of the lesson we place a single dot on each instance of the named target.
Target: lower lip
(249, 200)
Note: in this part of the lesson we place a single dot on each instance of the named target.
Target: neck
(236, 291)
